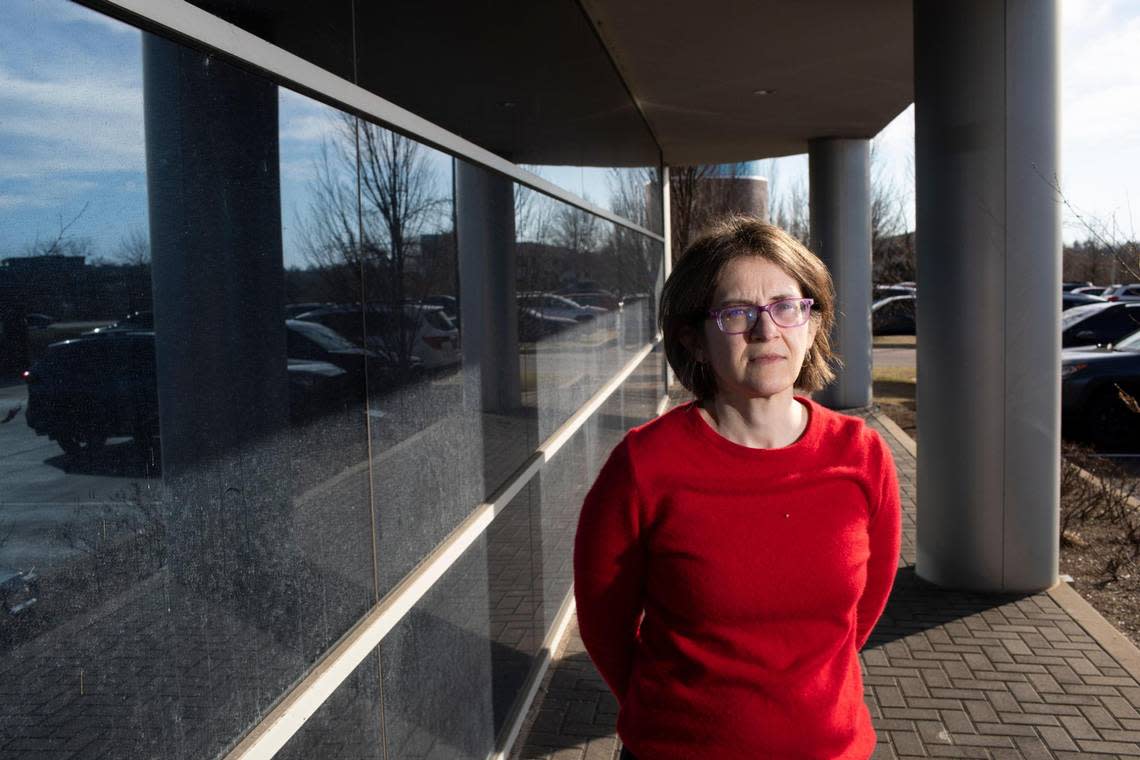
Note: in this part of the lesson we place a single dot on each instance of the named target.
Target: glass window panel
(426, 428)
(631, 193)
(587, 300)
(437, 668)
(348, 725)
(514, 603)
(183, 503)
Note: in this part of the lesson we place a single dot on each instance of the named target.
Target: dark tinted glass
(184, 507)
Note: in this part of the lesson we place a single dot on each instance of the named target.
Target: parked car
(19, 590)
(38, 321)
(449, 304)
(315, 341)
(1099, 323)
(136, 320)
(85, 390)
(1091, 290)
(602, 299)
(433, 339)
(886, 291)
(895, 315)
(294, 309)
(1070, 300)
(551, 305)
(1068, 287)
(534, 325)
(1100, 386)
(89, 389)
(1130, 292)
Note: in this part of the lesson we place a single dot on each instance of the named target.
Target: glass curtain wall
(244, 392)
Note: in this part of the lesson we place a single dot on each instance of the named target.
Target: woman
(734, 554)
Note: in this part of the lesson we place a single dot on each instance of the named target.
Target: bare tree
(794, 214)
(64, 243)
(133, 249)
(373, 227)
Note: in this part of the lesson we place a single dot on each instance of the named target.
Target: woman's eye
(787, 307)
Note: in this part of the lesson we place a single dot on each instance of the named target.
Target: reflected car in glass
(421, 333)
(316, 341)
(38, 321)
(1100, 391)
(19, 590)
(601, 299)
(1098, 323)
(136, 320)
(551, 305)
(87, 390)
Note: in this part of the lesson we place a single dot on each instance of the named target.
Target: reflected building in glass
(305, 364)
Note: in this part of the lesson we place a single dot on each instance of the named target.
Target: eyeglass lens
(791, 312)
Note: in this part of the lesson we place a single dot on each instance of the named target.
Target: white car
(1130, 292)
(550, 305)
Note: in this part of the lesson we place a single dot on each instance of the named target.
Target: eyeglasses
(789, 312)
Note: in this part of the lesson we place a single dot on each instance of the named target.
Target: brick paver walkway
(946, 674)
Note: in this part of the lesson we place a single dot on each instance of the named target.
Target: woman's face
(766, 361)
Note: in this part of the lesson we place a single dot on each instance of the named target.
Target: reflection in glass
(632, 193)
(587, 301)
(185, 523)
(437, 669)
(236, 404)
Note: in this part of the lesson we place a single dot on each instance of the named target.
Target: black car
(1103, 322)
(1100, 390)
(1072, 300)
(317, 341)
(894, 315)
(86, 390)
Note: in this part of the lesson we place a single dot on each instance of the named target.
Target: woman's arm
(609, 567)
(884, 530)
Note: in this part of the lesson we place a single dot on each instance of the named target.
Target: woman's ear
(692, 342)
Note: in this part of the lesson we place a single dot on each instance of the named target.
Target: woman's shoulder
(663, 432)
(847, 430)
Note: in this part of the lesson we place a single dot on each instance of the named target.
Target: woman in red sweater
(734, 554)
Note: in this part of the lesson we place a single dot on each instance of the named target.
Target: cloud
(71, 13)
(81, 124)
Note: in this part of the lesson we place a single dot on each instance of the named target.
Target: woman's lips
(767, 358)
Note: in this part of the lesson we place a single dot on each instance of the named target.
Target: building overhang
(733, 80)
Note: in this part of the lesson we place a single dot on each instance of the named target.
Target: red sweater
(761, 573)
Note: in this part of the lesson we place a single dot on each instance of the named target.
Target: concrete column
(840, 187)
(989, 271)
(485, 231)
(217, 271)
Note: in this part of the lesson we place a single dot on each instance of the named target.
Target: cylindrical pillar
(485, 232)
(840, 188)
(215, 227)
(989, 271)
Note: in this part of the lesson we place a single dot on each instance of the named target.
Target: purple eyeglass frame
(715, 313)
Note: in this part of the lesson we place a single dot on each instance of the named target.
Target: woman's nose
(764, 329)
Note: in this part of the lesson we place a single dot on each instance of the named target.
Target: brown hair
(688, 294)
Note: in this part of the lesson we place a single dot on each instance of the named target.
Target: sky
(72, 154)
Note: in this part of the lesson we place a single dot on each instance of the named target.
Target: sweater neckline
(805, 442)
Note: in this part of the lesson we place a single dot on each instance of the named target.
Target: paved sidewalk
(946, 674)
